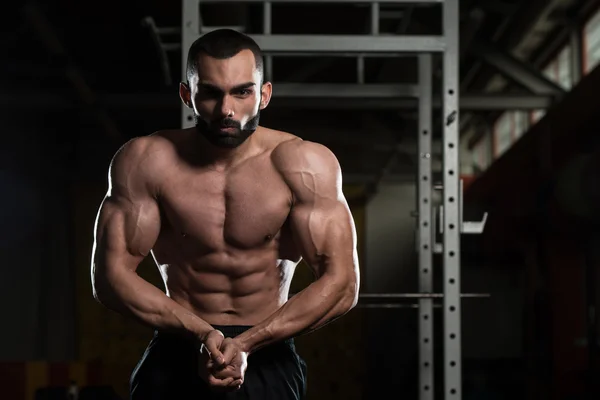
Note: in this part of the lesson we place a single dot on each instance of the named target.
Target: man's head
(225, 86)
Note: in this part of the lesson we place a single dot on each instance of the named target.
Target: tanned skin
(226, 227)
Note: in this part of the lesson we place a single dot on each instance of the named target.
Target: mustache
(228, 123)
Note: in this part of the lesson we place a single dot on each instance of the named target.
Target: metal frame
(425, 239)
(452, 217)
(515, 69)
(190, 31)
(282, 44)
(412, 2)
(447, 44)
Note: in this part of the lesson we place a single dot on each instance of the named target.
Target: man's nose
(227, 107)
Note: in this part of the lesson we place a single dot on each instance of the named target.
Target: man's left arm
(323, 228)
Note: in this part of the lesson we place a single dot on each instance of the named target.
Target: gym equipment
(451, 224)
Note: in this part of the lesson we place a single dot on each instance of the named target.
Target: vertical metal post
(267, 18)
(425, 241)
(190, 31)
(360, 59)
(452, 219)
(375, 18)
(360, 69)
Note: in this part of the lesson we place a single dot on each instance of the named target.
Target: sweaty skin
(226, 240)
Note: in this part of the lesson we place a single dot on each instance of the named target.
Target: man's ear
(185, 94)
(266, 91)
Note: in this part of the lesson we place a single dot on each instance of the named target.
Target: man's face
(227, 97)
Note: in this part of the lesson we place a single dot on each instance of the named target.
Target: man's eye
(245, 92)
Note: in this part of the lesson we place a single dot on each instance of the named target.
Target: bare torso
(224, 249)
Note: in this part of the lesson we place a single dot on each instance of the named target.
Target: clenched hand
(220, 366)
(235, 361)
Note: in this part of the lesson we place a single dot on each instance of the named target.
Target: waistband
(229, 331)
(235, 330)
(232, 330)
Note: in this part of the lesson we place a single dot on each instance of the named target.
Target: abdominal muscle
(239, 288)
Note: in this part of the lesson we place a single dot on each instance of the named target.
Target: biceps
(125, 234)
(326, 235)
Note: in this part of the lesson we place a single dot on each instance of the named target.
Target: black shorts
(168, 370)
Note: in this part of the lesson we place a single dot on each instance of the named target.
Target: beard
(231, 139)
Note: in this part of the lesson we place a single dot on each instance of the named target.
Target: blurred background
(79, 79)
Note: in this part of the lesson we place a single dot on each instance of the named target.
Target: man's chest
(244, 209)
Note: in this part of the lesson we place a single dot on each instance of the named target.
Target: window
(482, 153)
(521, 122)
(591, 43)
(559, 69)
(564, 73)
(503, 132)
(537, 115)
(550, 70)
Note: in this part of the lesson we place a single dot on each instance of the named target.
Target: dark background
(79, 79)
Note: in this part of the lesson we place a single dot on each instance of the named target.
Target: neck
(221, 158)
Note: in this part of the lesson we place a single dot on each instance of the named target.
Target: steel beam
(289, 44)
(327, 90)
(425, 232)
(577, 50)
(504, 101)
(452, 219)
(515, 69)
(149, 101)
(468, 102)
(364, 178)
(190, 31)
(267, 22)
(415, 2)
(482, 101)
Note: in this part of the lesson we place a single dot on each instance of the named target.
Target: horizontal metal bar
(470, 102)
(349, 43)
(208, 29)
(329, 1)
(417, 295)
(176, 46)
(392, 305)
(357, 178)
(371, 296)
(505, 101)
(340, 54)
(515, 69)
(373, 91)
(483, 101)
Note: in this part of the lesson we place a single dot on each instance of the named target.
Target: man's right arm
(127, 226)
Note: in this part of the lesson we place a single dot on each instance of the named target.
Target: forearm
(318, 304)
(127, 293)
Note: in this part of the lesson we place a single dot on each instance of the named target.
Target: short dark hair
(222, 44)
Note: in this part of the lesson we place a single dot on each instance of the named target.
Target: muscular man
(227, 209)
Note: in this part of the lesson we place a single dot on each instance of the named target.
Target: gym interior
(465, 134)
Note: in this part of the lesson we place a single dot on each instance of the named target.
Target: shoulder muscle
(136, 166)
(310, 169)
